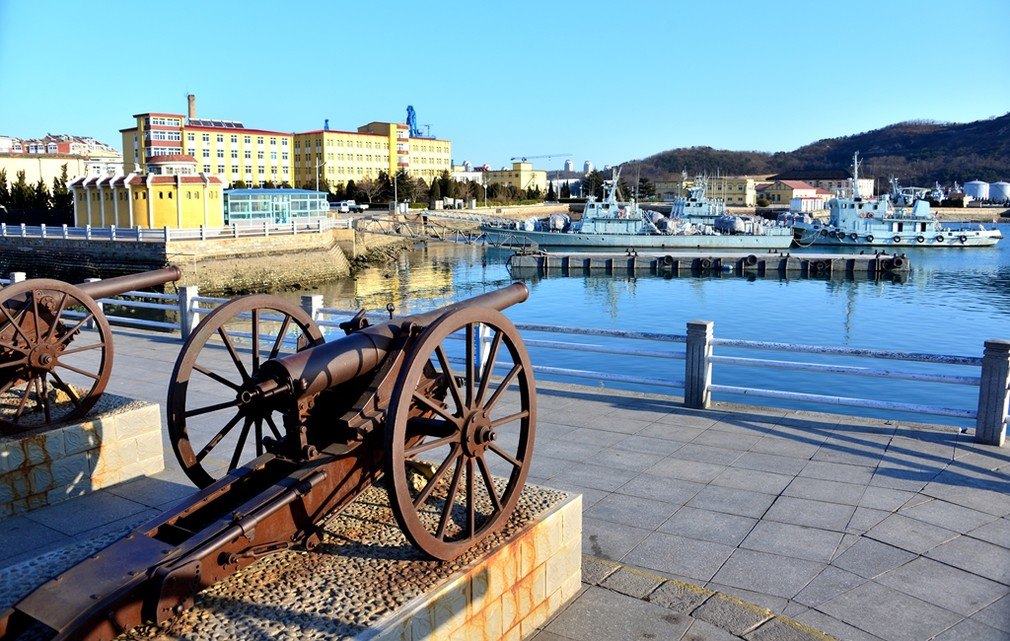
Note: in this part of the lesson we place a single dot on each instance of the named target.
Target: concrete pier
(774, 264)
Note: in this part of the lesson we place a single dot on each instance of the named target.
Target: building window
(284, 155)
(273, 142)
(234, 154)
(206, 169)
(161, 195)
(234, 139)
(273, 155)
(259, 140)
(259, 155)
(284, 142)
(261, 172)
(248, 154)
(220, 137)
(220, 153)
(220, 169)
(205, 137)
(189, 138)
(170, 195)
(234, 169)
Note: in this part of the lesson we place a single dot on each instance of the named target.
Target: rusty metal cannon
(43, 380)
(442, 404)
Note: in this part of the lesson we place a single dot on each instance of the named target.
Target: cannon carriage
(50, 371)
(280, 429)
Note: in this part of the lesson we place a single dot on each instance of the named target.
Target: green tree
(435, 191)
(269, 184)
(238, 184)
(592, 184)
(41, 203)
(386, 184)
(20, 199)
(350, 191)
(646, 188)
(5, 192)
(62, 200)
(551, 194)
(566, 191)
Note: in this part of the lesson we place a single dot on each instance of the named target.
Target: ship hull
(569, 240)
(806, 237)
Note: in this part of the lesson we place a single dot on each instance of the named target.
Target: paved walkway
(864, 529)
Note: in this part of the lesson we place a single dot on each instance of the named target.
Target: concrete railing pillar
(17, 277)
(188, 319)
(990, 420)
(312, 303)
(91, 322)
(698, 369)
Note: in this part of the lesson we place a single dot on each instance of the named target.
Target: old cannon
(43, 378)
(442, 404)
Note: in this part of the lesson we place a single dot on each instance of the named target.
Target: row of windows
(191, 137)
(139, 195)
(163, 135)
(341, 143)
(164, 122)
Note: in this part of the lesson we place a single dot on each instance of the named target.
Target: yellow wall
(153, 207)
(522, 175)
(340, 156)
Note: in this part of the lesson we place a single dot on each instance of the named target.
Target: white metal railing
(991, 375)
(164, 234)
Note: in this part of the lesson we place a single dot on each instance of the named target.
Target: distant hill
(917, 152)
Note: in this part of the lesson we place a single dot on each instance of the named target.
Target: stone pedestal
(121, 440)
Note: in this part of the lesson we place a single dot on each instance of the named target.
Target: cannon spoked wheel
(243, 334)
(43, 379)
(471, 427)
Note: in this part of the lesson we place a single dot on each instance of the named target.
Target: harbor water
(952, 301)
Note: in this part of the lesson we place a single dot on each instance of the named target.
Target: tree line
(34, 204)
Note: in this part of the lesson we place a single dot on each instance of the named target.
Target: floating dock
(777, 263)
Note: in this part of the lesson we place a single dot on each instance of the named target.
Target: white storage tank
(977, 189)
(999, 192)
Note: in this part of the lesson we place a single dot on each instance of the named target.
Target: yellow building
(222, 147)
(340, 156)
(522, 176)
(255, 156)
(173, 196)
(781, 192)
(734, 191)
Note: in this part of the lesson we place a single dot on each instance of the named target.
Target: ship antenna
(855, 175)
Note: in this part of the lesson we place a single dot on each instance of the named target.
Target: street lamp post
(318, 165)
(396, 195)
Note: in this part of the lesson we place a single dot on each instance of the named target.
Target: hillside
(916, 152)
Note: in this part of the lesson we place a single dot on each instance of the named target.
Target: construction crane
(525, 158)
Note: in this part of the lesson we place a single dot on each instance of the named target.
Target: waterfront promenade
(861, 528)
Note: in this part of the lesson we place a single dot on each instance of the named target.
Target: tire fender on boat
(824, 232)
(920, 239)
(668, 260)
(897, 262)
(853, 235)
(963, 238)
(939, 238)
(896, 239)
(869, 238)
(705, 263)
(751, 259)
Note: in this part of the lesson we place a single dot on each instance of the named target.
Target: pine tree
(62, 201)
(435, 193)
(550, 192)
(566, 191)
(21, 198)
(351, 191)
(5, 192)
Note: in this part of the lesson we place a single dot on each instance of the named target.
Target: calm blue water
(952, 301)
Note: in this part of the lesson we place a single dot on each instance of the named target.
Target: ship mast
(855, 175)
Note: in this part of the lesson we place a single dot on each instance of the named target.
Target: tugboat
(879, 222)
(619, 224)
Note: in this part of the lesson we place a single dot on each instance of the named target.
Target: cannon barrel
(121, 284)
(313, 370)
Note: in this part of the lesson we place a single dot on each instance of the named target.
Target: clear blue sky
(604, 81)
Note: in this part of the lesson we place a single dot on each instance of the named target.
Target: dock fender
(920, 239)
(750, 259)
(898, 262)
(963, 238)
(668, 260)
(869, 238)
(939, 238)
(705, 263)
(896, 239)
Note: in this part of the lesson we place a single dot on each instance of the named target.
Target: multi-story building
(836, 181)
(734, 191)
(522, 176)
(234, 152)
(173, 195)
(781, 192)
(225, 148)
(44, 158)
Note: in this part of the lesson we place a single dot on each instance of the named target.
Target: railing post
(42, 229)
(188, 319)
(3, 229)
(203, 233)
(234, 231)
(17, 277)
(698, 369)
(91, 323)
(112, 232)
(266, 228)
(312, 303)
(66, 232)
(87, 232)
(140, 233)
(23, 232)
(990, 421)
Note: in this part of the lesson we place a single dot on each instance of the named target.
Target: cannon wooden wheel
(42, 379)
(247, 332)
(473, 432)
